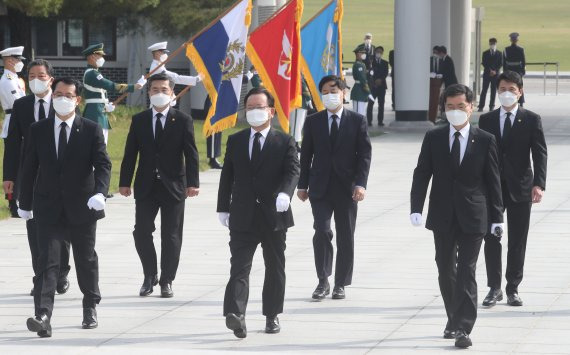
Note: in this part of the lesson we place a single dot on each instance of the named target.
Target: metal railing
(544, 64)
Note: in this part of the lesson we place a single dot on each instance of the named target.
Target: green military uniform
(96, 88)
(305, 95)
(360, 90)
(255, 80)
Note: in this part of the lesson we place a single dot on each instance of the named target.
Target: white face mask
(507, 98)
(332, 101)
(257, 117)
(38, 86)
(456, 117)
(367, 41)
(363, 56)
(379, 56)
(493, 46)
(18, 67)
(160, 100)
(63, 106)
(99, 62)
(163, 57)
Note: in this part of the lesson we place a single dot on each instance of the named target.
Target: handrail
(544, 64)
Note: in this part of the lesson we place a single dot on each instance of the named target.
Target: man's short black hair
(379, 48)
(42, 62)
(338, 82)
(260, 90)
(492, 40)
(435, 49)
(160, 77)
(456, 90)
(511, 77)
(69, 81)
(443, 49)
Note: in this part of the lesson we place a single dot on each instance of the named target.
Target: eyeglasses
(256, 108)
(57, 96)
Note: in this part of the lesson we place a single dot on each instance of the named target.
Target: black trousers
(214, 145)
(456, 256)
(518, 220)
(33, 242)
(380, 95)
(339, 201)
(51, 239)
(492, 81)
(242, 248)
(172, 221)
(393, 93)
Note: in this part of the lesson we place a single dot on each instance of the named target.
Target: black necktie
(507, 128)
(455, 152)
(158, 128)
(62, 143)
(42, 111)
(256, 149)
(334, 129)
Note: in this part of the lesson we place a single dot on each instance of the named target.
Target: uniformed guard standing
(11, 88)
(515, 59)
(297, 117)
(159, 55)
(97, 104)
(360, 93)
(368, 49)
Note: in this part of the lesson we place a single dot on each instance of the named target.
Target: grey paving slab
(393, 307)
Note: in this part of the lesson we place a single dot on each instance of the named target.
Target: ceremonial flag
(321, 54)
(274, 48)
(218, 52)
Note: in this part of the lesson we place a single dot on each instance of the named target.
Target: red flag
(274, 48)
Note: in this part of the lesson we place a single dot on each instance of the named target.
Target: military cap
(13, 52)
(160, 46)
(514, 35)
(368, 35)
(94, 48)
(360, 49)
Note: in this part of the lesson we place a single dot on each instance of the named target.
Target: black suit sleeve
(191, 155)
(129, 157)
(13, 147)
(29, 172)
(539, 154)
(523, 62)
(500, 62)
(290, 169)
(226, 179)
(307, 151)
(363, 154)
(101, 163)
(493, 180)
(422, 175)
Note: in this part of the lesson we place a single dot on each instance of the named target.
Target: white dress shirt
(503, 117)
(56, 128)
(47, 101)
(162, 119)
(338, 114)
(261, 139)
(464, 135)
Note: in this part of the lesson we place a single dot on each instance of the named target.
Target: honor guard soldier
(360, 93)
(159, 55)
(368, 49)
(515, 59)
(298, 116)
(97, 104)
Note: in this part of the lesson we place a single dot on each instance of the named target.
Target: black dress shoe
(480, 109)
(41, 325)
(146, 288)
(62, 285)
(89, 318)
(495, 295)
(448, 334)
(338, 293)
(513, 299)
(214, 163)
(166, 290)
(272, 325)
(491, 108)
(322, 290)
(236, 322)
(462, 340)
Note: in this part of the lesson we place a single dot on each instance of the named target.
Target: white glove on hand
(416, 219)
(249, 75)
(282, 202)
(439, 76)
(141, 81)
(432, 75)
(96, 202)
(25, 215)
(495, 225)
(370, 97)
(199, 77)
(224, 218)
(109, 107)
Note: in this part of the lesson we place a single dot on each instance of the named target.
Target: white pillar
(461, 39)
(412, 33)
(441, 27)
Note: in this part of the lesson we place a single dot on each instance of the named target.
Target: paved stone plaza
(393, 307)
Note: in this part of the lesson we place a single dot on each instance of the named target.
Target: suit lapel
(342, 127)
(265, 149)
(324, 128)
(471, 140)
(168, 127)
(51, 139)
(73, 140)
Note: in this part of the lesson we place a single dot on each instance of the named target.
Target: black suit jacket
(473, 194)
(349, 159)
(175, 157)
(447, 69)
(86, 171)
(514, 54)
(391, 61)
(492, 62)
(526, 137)
(380, 68)
(242, 184)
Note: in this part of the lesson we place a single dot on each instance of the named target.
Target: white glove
(199, 77)
(109, 107)
(416, 219)
(224, 218)
(282, 202)
(25, 215)
(96, 202)
(439, 76)
(371, 72)
(310, 104)
(141, 81)
(249, 75)
(371, 98)
(432, 75)
(495, 225)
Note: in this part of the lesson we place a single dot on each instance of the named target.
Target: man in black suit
(465, 204)
(27, 110)
(335, 161)
(391, 62)
(520, 134)
(260, 172)
(447, 67)
(163, 140)
(65, 180)
(378, 85)
(515, 59)
(492, 63)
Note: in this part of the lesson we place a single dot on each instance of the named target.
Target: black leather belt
(8, 112)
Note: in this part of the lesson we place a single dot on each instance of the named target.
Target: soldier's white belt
(96, 101)
(514, 63)
(357, 81)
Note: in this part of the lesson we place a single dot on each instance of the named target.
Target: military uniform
(11, 87)
(360, 91)
(178, 79)
(297, 117)
(514, 59)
